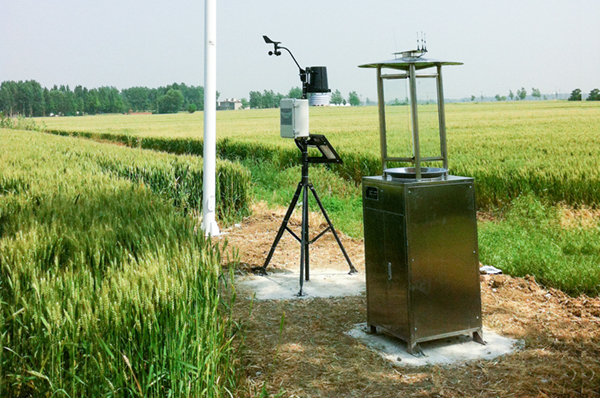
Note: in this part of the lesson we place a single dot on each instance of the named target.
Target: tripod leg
(314, 191)
(304, 241)
(286, 219)
(305, 229)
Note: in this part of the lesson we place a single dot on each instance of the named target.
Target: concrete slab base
(453, 350)
(285, 285)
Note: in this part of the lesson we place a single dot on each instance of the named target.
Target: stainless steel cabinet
(421, 255)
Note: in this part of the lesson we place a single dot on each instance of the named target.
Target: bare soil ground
(310, 356)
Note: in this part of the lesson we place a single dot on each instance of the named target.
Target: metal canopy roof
(404, 62)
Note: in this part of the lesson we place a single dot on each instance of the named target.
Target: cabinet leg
(478, 338)
(415, 350)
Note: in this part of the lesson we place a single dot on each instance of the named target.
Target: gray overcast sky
(553, 45)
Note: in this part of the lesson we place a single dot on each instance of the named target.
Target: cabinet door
(375, 266)
(397, 275)
(442, 241)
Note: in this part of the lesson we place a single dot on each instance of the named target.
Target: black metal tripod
(329, 156)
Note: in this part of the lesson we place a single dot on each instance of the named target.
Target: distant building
(230, 104)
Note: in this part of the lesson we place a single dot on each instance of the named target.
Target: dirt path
(312, 357)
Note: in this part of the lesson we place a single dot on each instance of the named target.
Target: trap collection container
(420, 231)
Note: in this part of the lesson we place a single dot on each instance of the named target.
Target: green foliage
(270, 99)
(267, 99)
(137, 99)
(20, 123)
(106, 289)
(353, 98)
(575, 95)
(171, 102)
(295, 92)
(191, 108)
(255, 100)
(531, 240)
(594, 95)
(336, 97)
(522, 93)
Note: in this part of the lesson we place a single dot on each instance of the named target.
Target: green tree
(245, 103)
(79, 94)
(353, 98)
(295, 92)
(92, 102)
(268, 99)
(522, 93)
(193, 95)
(110, 100)
(171, 102)
(575, 95)
(472, 98)
(511, 95)
(336, 97)
(498, 98)
(191, 108)
(136, 98)
(47, 103)
(594, 95)
(8, 91)
(256, 100)
(535, 93)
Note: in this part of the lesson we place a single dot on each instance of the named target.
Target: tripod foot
(262, 271)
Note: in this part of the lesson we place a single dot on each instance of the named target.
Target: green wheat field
(108, 289)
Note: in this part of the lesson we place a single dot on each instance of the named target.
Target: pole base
(210, 228)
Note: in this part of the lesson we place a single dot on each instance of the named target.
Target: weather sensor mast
(294, 124)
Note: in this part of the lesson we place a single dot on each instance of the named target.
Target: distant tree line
(268, 98)
(594, 95)
(28, 98)
(576, 95)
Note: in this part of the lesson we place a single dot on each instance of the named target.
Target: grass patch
(532, 240)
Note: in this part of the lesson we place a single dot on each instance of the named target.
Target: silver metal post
(442, 117)
(382, 133)
(415, 121)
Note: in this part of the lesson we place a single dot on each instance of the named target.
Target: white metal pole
(209, 224)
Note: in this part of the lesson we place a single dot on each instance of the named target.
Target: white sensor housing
(294, 118)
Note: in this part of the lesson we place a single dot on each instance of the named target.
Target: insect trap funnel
(420, 229)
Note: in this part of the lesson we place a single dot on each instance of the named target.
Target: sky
(552, 45)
